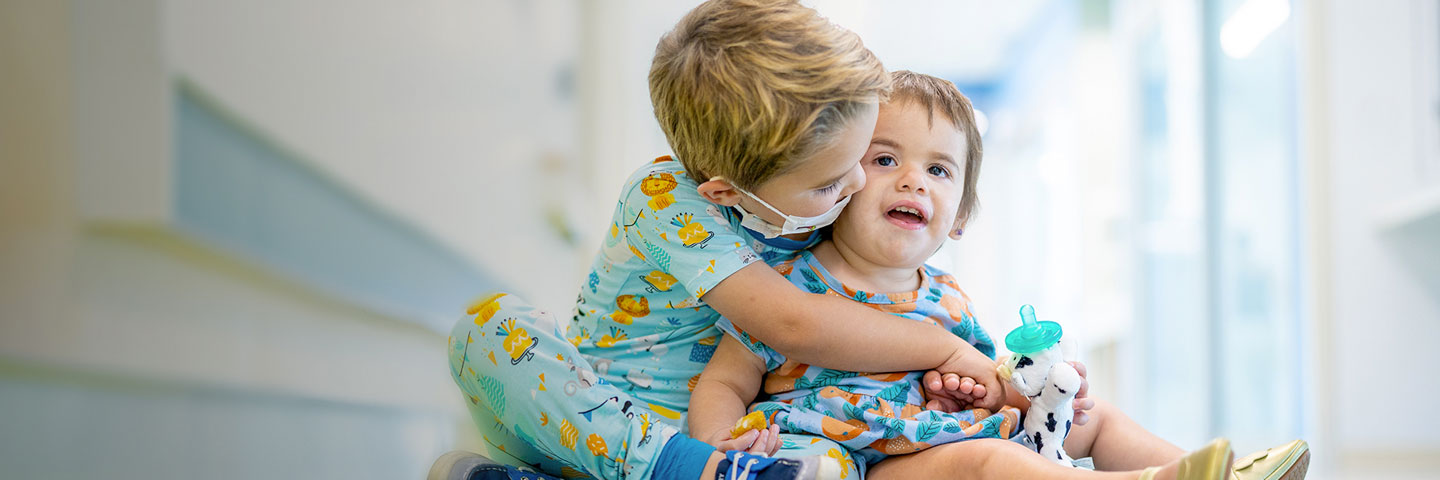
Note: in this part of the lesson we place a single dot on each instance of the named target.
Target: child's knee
(1001, 447)
(477, 314)
(1000, 453)
(470, 329)
(982, 453)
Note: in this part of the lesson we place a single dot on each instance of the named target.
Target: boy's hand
(764, 442)
(1081, 402)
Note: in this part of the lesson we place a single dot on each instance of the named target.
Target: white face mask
(793, 224)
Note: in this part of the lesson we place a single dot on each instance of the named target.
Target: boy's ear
(719, 192)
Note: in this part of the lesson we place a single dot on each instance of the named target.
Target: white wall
(454, 115)
(1377, 319)
(618, 128)
(36, 229)
(165, 360)
(128, 351)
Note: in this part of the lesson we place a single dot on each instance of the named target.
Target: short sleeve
(978, 336)
(772, 358)
(669, 225)
(958, 316)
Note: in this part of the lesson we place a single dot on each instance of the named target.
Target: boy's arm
(716, 266)
(838, 333)
(729, 383)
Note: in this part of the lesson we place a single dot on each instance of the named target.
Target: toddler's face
(914, 180)
(822, 180)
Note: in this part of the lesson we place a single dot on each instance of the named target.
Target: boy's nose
(854, 181)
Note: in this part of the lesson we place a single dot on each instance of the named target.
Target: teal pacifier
(1032, 335)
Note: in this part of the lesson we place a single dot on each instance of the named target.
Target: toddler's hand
(979, 367)
(950, 392)
(1081, 402)
(764, 442)
(994, 391)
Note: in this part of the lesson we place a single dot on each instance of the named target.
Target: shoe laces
(736, 472)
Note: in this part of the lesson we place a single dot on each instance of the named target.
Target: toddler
(921, 167)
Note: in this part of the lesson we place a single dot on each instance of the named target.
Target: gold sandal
(1285, 462)
(1211, 462)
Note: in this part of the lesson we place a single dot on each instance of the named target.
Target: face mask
(793, 224)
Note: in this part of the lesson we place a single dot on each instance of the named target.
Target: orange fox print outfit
(874, 415)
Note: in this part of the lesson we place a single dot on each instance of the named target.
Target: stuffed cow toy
(1038, 370)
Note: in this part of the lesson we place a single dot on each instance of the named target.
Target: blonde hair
(745, 89)
(940, 95)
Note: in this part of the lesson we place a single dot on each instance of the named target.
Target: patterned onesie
(874, 415)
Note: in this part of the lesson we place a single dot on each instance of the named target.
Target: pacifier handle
(1032, 335)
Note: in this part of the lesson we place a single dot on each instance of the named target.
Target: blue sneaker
(739, 465)
(460, 465)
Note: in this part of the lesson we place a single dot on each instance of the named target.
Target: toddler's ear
(719, 192)
(958, 230)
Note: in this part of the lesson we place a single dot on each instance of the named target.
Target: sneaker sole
(445, 467)
(1297, 465)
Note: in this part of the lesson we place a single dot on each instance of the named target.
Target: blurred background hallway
(234, 235)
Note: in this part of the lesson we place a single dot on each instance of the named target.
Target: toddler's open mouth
(907, 216)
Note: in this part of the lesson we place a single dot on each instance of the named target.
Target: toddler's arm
(729, 383)
(855, 337)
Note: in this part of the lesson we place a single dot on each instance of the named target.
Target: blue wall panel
(247, 196)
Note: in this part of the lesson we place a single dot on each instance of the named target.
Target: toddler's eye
(939, 171)
(885, 161)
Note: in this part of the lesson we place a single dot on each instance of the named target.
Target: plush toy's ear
(1069, 350)
(1064, 377)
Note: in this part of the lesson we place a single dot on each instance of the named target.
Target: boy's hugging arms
(664, 223)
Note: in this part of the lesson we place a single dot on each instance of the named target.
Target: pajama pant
(533, 396)
(797, 445)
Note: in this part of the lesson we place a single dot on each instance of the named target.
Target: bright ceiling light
(1250, 24)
